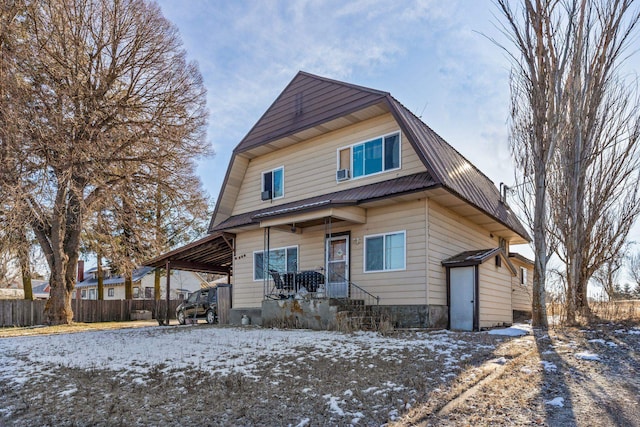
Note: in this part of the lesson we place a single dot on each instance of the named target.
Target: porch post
(168, 270)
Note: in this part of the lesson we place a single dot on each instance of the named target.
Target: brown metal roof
(211, 254)
(476, 257)
(311, 100)
(307, 101)
(470, 257)
(353, 196)
(454, 171)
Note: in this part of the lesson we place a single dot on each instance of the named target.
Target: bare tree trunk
(128, 286)
(156, 284)
(100, 276)
(539, 305)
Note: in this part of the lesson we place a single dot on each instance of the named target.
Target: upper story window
(273, 184)
(369, 157)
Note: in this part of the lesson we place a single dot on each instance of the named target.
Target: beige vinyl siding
(450, 234)
(522, 296)
(403, 287)
(495, 295)
(310, 166)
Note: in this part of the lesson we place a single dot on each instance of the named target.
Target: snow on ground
(219, 350)
(549, 366)
(587, 355)
(558, 401)
(517, 330)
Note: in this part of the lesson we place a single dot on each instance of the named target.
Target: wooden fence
(30, 313)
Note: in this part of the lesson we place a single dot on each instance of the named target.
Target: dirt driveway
(204, 375)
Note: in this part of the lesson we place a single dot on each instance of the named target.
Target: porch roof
(476, 257)
(211, 254)
(350, 197)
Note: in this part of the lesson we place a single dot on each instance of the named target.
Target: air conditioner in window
(266, 195)
(342, 175)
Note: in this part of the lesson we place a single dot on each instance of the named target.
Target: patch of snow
(586, 355)
(68, 392)
(369, 390)
(549, 366)
(348, 393)
(598, 341)
(393, 414)
(634, 331)
(303, 422)
(333, 405)
(611, 344)
(526, 370)
(558, 401)
(517, 330)
(499, 361)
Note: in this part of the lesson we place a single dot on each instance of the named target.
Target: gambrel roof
(311, 105)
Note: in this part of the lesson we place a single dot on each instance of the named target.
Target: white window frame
(83, 294)
(384, 235)
(350, 148)
(262, 182)
(285, 248)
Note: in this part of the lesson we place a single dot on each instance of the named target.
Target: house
(184, 282)
(342, 189)
(40, 289)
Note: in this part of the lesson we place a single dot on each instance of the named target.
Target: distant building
(182, 283)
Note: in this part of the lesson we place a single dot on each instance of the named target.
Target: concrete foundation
(316, 314)
(320, 314)
(416, 316)
(520, 316)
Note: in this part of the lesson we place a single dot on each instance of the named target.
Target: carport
(211, 254)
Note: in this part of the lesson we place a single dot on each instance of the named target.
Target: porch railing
(313, 282)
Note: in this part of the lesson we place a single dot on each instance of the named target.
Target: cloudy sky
(434, 56)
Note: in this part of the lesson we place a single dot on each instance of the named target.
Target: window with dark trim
(111, 292)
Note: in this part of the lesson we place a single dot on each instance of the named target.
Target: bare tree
(607, 276)
(109, 98)
(536, 104)
(596, 199)
(575, 132)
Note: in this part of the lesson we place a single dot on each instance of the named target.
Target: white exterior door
(462, 298)
(338, 267)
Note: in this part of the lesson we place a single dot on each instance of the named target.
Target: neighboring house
(40, 289)
(344, 181)
(182, 283)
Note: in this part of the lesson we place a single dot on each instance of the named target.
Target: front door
(462, 297)
(338, 267)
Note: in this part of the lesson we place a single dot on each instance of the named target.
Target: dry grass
(8, 332)
(610, 311)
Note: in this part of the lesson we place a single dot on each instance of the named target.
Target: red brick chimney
(80, 270)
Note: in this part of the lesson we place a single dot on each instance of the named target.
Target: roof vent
(299, 104)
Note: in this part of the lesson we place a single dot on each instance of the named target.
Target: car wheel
(181, 317)
(211, 317)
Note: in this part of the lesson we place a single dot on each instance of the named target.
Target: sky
(441, 59)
